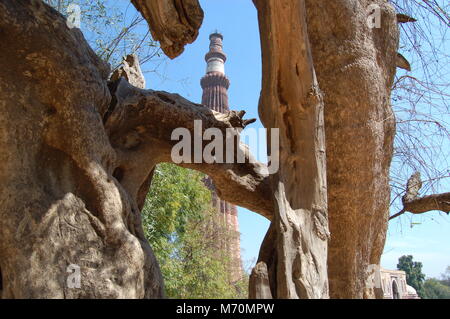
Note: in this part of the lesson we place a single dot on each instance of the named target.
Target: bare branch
(421, 99)
(173, 23)
(140, 126)
(419, 205)
(428, 203)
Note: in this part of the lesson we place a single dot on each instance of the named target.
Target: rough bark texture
(259, 287)
(131, 71)
(428, 203)
(60, 204)
(355, 66)
(291, 101)
(77, 162)
(174, 23)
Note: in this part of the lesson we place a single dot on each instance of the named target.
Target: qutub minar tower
(215, 86)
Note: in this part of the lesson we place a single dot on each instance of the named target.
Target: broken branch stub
(173, 23)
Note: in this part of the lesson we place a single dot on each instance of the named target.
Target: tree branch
(419, 205)
(173, 23)
(140, 126)
(428, 203)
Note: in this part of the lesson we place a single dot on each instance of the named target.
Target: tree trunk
(62, 209)
(355, 66)
(291, 101)
(259, 287)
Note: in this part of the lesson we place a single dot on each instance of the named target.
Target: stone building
(215, 86)
(394, 286)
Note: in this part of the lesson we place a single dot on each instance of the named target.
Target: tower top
(215, 58)
(215, 34)
(215, 83)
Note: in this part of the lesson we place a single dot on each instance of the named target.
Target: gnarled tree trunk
(355, 67)
(60, 204)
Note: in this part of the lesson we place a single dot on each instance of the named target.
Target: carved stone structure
(215, 86)
(394, 286)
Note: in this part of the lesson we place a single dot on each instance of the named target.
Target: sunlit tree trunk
(354, 46)
(291, 101)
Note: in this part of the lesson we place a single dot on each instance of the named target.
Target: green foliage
(438, 289)
(446, 277)
(176, 196)
(414, 275)
(435, 289)
(184, 232)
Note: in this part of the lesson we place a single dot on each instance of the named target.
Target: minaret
(215, 83)
(215, 86)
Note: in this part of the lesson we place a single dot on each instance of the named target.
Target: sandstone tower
(215, 86)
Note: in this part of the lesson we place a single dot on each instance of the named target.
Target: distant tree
(446, 277)
(413, 269)
(435, 289)
(183, 229)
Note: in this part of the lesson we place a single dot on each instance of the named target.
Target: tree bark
(60, 204)
(428, 203)
(173, 23)
(355, 66)
(414, 204)
(259, 287)
(140, 128)
(291, 101)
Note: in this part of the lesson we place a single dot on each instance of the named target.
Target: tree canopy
(413, 270)
(185, 233)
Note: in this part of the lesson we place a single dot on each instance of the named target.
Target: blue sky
(428, 238)
(427, 241)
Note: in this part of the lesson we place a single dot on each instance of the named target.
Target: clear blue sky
(237, 21)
